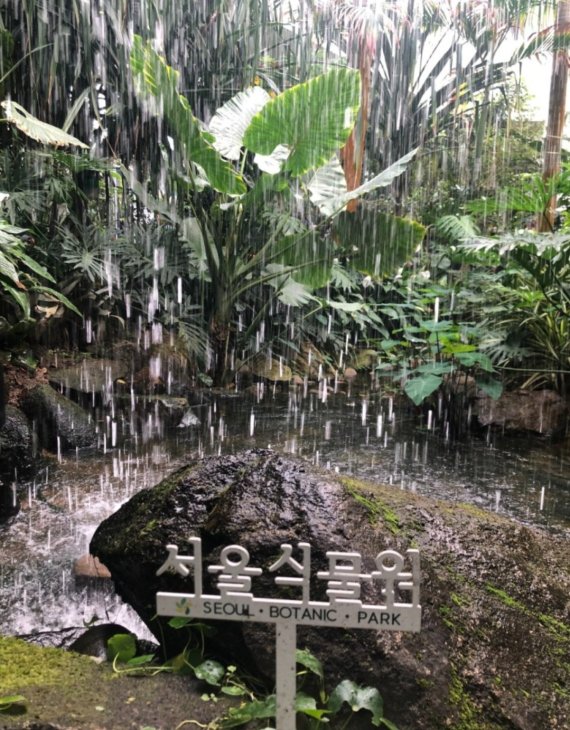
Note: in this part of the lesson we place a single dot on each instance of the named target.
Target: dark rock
(494, 594)
(9, 501)
(540, 411)
(55, 415)
(93, 641)
(55, 638)
(16, 459)
(92, 376)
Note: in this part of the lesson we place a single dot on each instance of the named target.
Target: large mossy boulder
(56, 416)
(494, 647)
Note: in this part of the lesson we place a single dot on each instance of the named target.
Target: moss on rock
(68, 691)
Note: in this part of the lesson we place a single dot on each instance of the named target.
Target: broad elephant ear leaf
(155, 79)
(37, 130)
(313, 120)
(382, 180)
(377, 243)
(327, 186)
(229, 123)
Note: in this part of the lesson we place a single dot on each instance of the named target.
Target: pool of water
(362, 435)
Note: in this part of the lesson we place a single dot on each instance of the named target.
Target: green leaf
(229, 123)
(377, 243)
(256, 710)
(326, 186)
(34, 266)
(420, 387)
(210, 671)
(9, 700)
(308, 706)
(308, 660)
(359, 698)
(490, 386)
(304, 702)
(20, 297)
(472, 359)
(138, 661)
(289, 291)
(313, 120)
(8, 269)
(430, 326)
(435, 368)
(122, 647)
(59, 296)
(179, 622)
(381, 180)
(39, 131)
(233, 690)
(155, 79)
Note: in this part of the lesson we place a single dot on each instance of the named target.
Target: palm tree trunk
(556, 115)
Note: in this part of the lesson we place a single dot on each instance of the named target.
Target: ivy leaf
(258, 709)
(121, 647)
(308, 706)
(308, 660)
(358, 698)
(210, 671)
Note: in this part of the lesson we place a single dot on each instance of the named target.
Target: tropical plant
(535, 278)
(276, 187)
(22, 285)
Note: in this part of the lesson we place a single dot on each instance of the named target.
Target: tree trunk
(556, 116)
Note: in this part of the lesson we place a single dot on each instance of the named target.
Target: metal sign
(400, 590)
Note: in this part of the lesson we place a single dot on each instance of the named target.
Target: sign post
(400, 609)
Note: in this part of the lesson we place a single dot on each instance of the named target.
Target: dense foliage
(246, 177)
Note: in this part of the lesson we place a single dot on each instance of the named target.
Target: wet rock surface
(55, 415)
(16, 458)
(494, 646)
(538, 411)
(15, 445)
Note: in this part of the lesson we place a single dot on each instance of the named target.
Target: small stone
(89, 567)
(349, 374)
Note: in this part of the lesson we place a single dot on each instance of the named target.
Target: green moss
(505, 598)
(468, 714)
(425, 683)
(23, 665)
(457, 600)
(560, 630)
(377, 509)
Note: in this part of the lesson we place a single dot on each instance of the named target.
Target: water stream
(363, 435)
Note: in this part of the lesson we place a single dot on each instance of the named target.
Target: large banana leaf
(313, 120)
(37, 130)
(377, 243)
(155, 79)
